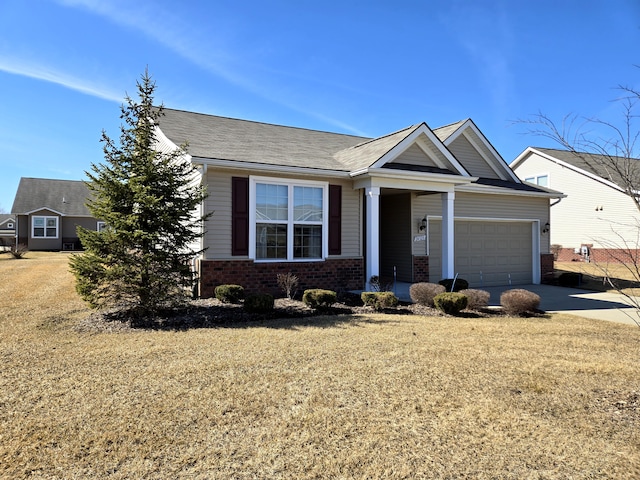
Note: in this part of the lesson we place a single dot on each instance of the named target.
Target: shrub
(570, 279)
(318, 298)
(379, 300)
(460, 284)
(19, 251)
(450, 302)
(288, 282)
(259, 303)
(519, 301)
(229, 293)
(476, 299)
(424, 292)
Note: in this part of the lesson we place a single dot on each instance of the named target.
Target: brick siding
(331, 274)
(600, 255)
(546, 267)
(420, 268)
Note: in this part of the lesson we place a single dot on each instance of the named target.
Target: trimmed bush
(460, 284)
(379, 300)
(519, 301)
(476, 299)
(229, 293)
(318, 298)
(424, 292)
(450, 303)
(259, 303)
(570, 279)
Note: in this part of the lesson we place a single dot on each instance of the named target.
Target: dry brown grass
(367, 396)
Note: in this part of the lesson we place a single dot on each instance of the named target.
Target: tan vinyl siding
(395, 237)
(218, 227)
(575, 220)
(470, 205)
(415, 156)
(468, 156)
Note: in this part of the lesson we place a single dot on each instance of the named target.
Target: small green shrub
(519, 301)
(570, 279)
(318, 298)
(476, 299)
(379, 300)
(259, 303)
(423, 293)
(229, 293)
(460, 284)
(450, 303)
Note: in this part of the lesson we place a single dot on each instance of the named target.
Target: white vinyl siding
(592, 213)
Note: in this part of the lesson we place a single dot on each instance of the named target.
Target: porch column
(373, 234)
(447, 235)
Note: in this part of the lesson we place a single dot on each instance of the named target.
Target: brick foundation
(331, 274)
(599, 255)
(420, 268)
(546, 267)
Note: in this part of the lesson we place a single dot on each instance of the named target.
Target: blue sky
(358, 67)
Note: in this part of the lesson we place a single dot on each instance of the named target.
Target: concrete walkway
(585, 303)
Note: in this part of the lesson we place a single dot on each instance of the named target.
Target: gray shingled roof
(65, 196)
(597, 164)
(223, 138)
(446, 131)
(4, 217)
(367, 153)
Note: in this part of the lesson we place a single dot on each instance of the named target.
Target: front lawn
(341, 396)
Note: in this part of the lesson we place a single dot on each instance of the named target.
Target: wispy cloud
(48, 74)
(167, 29)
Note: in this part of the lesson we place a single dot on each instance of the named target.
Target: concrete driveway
(585, 303)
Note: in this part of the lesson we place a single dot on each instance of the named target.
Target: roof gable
(588, 164)
(475, 152)
(66, 197)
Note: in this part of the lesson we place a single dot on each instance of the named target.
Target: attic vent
(64, 200)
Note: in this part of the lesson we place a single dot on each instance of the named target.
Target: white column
(447, 235)
(373, 233)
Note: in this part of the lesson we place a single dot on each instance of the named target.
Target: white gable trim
(462, 130)
(48, 210)
(530, 150)
(412, 138)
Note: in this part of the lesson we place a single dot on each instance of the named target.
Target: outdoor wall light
(423, 224)
(545, 229)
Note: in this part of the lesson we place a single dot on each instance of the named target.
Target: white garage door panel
(486, 253)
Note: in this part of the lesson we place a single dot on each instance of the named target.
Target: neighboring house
(597, 219)
(337, 209)
(47, 213)
(7, 230)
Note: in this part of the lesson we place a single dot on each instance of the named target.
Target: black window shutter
(335, 219)
(239, 216)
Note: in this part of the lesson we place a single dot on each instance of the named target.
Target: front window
(289, 221)
(44, 227)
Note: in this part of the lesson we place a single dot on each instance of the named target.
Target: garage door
(486, 253)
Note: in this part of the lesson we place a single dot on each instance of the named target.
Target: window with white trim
(542, 180)
(44, 227)
(100, 226)
(9, 225)
(288, 220)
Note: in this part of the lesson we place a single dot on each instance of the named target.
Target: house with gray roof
(418, 204)
(47, 213)
(7, 230)
(597, 221)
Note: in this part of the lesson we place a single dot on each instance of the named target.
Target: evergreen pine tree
(149, 201)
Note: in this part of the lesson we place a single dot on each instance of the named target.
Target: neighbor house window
(44, 227)
(288, 220)
(542, 180)
(9, 225)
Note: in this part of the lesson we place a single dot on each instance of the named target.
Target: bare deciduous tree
(610, 150)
